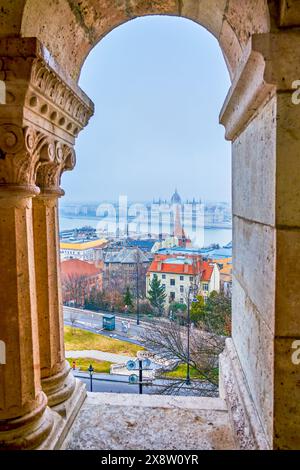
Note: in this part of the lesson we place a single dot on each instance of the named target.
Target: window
(182, 278)
(191, 278)
(172, 296)
(181, 289)
(163, 285)
(172, 282)
(205, 287)
(163, 276)
(181, 300)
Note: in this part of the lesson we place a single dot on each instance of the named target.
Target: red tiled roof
(200, 266)
(207, 271)
(78, 267)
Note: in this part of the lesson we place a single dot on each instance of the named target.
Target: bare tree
(73, 317)
(74, 287)
(168, 340)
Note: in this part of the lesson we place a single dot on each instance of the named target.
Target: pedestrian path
(100, 356)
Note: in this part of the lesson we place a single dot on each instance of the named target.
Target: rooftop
(126, 256)
(78, 267)
(184, 266)
(83, 244)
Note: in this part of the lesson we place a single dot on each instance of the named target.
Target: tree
(90, 302)
(128, 301)
(73, 318)
(145, 307)
(177, 311)
(197, 310)
(168, 341)
(157, 295)
(217, 314)
(75, 289)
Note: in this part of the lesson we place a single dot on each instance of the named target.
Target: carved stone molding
(21, 153)
(50, 170)
(269, 65)
(248, 93)
(43, 113)
(56, 104)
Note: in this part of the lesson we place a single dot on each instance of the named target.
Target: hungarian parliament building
(215, 214)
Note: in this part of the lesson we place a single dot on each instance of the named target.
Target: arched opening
(261, 45)
(158, 84)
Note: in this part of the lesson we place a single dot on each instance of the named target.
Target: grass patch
(180, 372)
(79, 340)
(84, 363)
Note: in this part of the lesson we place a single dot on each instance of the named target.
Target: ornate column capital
(44, 111)
(50, 170)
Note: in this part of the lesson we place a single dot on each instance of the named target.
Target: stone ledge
(129, 422)
(159, 401)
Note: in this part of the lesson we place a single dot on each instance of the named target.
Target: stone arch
(260, 40)
(79, 26)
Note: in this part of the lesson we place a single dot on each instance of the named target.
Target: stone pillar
(260, 379)
(65, 394)
(25, 420)
(42, 114)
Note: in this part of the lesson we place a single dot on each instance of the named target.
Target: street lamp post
(137, 290)
(140, 377)
(188, 378)
(91, 371)
(192, 290)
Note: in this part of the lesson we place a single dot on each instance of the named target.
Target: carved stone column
(25, 420)
(42, 115)
(64, 392)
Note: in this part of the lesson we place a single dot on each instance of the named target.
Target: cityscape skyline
(158, 85)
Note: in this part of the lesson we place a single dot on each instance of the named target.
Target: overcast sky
(158, 84)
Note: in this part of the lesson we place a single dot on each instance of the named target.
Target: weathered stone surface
(254, 265)
(24, 419)
(247, 18)
(288, 162)
(43, 114)
(253, 168)
(286, 392)
(209, 13)
(230, 43)
(287, 284)
(254, 344)
(125, 422)
(80, 25)
(246, 424)
(289, 13)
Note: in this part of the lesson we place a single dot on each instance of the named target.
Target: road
(120, 384)
(108, 383)
(92, 321)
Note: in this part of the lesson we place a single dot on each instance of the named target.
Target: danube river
(220, 236)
